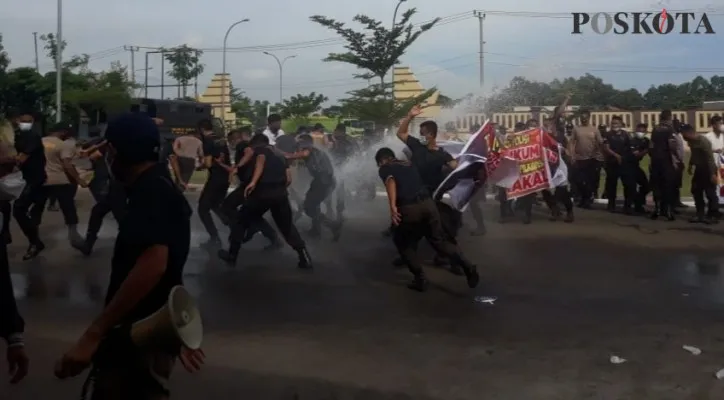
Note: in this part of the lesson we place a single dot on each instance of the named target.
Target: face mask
(25, 126)
(639, 134)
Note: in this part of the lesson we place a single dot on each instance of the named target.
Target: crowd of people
(619, 156)
(141, 180)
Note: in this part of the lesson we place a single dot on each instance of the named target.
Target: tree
(253, 112)
(334, 111)
(185, 65)
(593, 93)
(302, 105)
(375, 50)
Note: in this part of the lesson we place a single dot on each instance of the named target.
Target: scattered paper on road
(617, 360)
(486, 299)
(691, 349)
(720, 374)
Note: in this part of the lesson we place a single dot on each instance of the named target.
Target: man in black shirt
(108, 193)
(243, 168)
(663, 172)
(267, 191)
(414, 215)
(150, 252)
(217, 160)
(31, 157)
(640, 147)
(322, 185)
(619, 165)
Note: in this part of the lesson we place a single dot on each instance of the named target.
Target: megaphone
(176, 324)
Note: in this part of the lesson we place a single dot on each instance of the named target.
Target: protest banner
(462, 184)
(527, 148)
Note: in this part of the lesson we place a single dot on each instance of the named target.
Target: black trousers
(506, 206)
(423, 220)
(31, 197)
(625, 173)
(664, 185)
(642, 186)
(274, 200)
(702, 188)
(587, 174)
(319, 190)
(6, 209)
(110, 197)
(211, 199)
(337, 200)
(230, 214)
(560, 195)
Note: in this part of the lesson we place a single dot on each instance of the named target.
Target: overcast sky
(532, 45)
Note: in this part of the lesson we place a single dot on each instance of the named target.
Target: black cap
(318, 127)
(135, 137)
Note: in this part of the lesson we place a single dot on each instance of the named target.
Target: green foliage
(185, 65)
(83, 89)
(333, 111)
(300, 106)
(375, 104)
(375, 49)
(592, 92)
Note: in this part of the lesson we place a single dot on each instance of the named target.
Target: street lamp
(223, 70)
(280, 63)
(394, 16)
(59, 63)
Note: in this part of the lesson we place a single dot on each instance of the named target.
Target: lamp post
(280, 63)
(59, 64)
(223, 70)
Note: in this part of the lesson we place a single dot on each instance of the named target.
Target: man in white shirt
(716, 136)
(274, 128)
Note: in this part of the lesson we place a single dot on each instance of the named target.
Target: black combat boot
(85, 246)
(419, 283)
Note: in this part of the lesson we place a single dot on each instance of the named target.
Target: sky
(529, 38)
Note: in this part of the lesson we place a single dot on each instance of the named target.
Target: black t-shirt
(661, 138)
(31, 144)
(344, 148)
(244, 172)
(157, 214)
(431, 164)
(286, 143)
(639, 144)
(275, 167)
(319, 164)
(619, 143)
(218, 149)
(410, 187)
(166, 151)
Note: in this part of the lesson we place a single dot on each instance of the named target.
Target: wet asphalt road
(569, 297)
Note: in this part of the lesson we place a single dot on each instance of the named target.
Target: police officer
(663, 172)
(619, 165)
(640, 148)
(322, 185)
(217, 160)
(267, 191)
(31, 158)
(108, 193)
(705, 176)
(414, 215)
(243, 168)
(148, 259)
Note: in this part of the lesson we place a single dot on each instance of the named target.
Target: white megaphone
(176, 324)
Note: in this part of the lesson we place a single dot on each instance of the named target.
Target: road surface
(569, 296)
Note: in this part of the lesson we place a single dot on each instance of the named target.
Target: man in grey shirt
(188, 154)
(585, 147)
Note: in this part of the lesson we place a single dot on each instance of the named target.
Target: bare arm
(289, 176)
(562, 107)
(297, 155)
